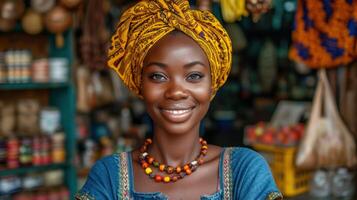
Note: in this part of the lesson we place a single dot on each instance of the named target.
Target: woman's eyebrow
(194, 63)
(161, 65)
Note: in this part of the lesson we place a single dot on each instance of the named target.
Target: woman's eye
(195, 77)
(157, 77)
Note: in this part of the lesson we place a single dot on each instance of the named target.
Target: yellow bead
(148, 170)
(167, 179)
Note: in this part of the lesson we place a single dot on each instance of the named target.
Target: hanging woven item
(95, 36)
(324, 33)
(257, 8)
(233, 10)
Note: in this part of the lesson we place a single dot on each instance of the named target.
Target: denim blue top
(243, 174)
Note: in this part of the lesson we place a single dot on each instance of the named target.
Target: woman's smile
(177, 115)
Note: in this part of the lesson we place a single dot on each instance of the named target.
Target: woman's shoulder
(102, 180)
(107, 164)
(251, 175)
(245, 161)
(243, 155)
(109, 160)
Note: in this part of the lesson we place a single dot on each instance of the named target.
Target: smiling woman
(176, 84)
(175, 59)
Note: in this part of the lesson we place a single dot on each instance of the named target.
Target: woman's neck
(175, 150)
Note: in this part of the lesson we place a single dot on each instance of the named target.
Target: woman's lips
(177, 115)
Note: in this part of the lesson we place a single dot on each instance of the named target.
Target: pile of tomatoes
(262, 133)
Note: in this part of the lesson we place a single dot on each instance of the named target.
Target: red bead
(204, 142)
(145, 165)
(186, 167)
(158, 178)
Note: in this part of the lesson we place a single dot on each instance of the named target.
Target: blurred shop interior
(291, 94)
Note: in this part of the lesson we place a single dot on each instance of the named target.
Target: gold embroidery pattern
(142, 25)
(84, 196)
(275, 196)
(227, 174)
(124, 193)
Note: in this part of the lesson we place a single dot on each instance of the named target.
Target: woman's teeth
(178, 112)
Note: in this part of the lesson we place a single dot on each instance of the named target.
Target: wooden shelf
(26, 170)
(31, 86)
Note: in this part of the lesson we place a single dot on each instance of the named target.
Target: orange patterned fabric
(324, 33)
(142, 25)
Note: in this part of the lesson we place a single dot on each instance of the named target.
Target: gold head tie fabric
(142, 25)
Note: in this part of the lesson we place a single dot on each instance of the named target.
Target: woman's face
(176, 84)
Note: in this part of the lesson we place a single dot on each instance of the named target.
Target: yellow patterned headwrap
(142, 25)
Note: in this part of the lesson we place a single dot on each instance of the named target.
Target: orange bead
(162, 167)
(186, 167)
(188, 171)
(144, 165)
(150, 160)
(178, 169)
(158, 178)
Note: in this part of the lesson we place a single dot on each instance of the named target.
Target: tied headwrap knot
(142, 25)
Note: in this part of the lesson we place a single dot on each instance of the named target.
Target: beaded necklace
(172, 174)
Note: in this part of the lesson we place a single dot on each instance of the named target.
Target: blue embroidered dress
(243, 175)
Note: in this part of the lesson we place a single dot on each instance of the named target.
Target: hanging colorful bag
(324, 33)
(327, 142)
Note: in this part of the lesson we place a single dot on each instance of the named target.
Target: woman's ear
(213, 93)
(140, 93)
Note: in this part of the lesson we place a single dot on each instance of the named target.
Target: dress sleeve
(251, 176)
(102, 181)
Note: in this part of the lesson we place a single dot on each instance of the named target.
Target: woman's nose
(176, 91)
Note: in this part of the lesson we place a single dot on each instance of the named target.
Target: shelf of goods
(54, 94)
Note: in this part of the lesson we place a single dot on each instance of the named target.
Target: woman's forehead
(176, 45)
